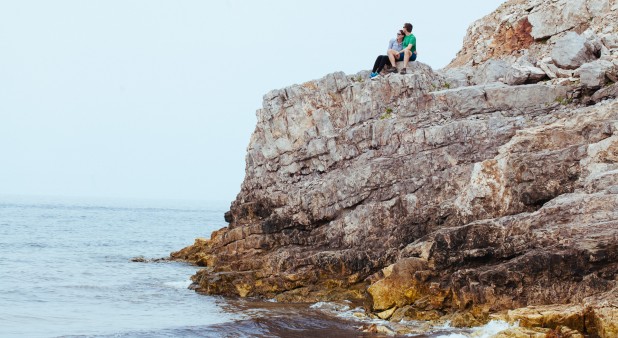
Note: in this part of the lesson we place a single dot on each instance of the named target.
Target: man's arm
(408, 47)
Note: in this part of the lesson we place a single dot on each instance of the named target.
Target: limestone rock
(536, 74)
(521, 332)
(549, 69)
(491, 71)
(593, 74)
(458, 77)
(386, 314)
(531, 28)
(610, 41)
(610, 92)
(550, 317)
(440, 195)
(518, 75)
(572, 51)
(552, 17)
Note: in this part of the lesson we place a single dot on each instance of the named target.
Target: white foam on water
(178, 285)
(492, 328)
(330, 307)
(486, 331)
(345, 312)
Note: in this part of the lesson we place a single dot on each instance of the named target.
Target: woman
(395, 46)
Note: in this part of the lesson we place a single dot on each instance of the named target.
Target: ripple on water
(70, 275)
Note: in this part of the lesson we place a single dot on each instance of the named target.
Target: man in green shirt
(409, 47)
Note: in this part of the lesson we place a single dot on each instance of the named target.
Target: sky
(154, 99)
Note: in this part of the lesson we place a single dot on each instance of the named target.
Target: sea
(67, 269)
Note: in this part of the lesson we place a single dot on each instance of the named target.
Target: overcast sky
(156, 99)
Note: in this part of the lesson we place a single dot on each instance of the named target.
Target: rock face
(489, 186)
(572, 50)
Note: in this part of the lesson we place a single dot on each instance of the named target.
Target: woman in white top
(381, 60)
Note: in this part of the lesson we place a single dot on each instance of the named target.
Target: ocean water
(66, 271)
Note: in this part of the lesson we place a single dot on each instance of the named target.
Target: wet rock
(522, 332)
(551, 317)
(142, 259)
(386, 314)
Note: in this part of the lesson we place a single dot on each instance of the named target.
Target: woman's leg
(383, 61)
(376, 64)
(392, 54)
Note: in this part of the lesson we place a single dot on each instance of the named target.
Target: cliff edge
(486, 189)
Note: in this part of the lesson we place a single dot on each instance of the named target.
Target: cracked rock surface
(465, 193)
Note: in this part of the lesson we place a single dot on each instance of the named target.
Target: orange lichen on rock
(511, 38)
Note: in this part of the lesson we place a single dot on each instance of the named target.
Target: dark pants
(381, 61)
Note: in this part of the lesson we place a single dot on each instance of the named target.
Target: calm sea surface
(66, 270)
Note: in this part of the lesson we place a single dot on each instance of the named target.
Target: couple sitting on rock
(402, 48)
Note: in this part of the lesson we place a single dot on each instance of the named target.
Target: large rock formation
(491, 185)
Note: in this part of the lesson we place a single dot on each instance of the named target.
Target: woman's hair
(401, 32)
(408, 26)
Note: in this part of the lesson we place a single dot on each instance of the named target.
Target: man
(409, 49)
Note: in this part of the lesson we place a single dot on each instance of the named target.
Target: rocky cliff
(489, 188)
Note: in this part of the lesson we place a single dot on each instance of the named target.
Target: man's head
(408, 27)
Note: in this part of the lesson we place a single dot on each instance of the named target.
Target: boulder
(598, 7)
(606, 321)
(517, 76)
(536, 74)
(458, 77)
(491, 71)
(571, 51)
(592, 74)
(521, 332)
(610, 41)
(562, 73)
(555, 72)
(605, 93)
(548, 70)
(553, 17)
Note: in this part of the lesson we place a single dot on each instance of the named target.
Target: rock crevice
(488, 188)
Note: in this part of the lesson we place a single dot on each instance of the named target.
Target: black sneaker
(403, 71)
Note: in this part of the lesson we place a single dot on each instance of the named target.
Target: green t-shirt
(409, 40)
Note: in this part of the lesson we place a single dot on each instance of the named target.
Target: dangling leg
(383, 61)
(376, 64)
